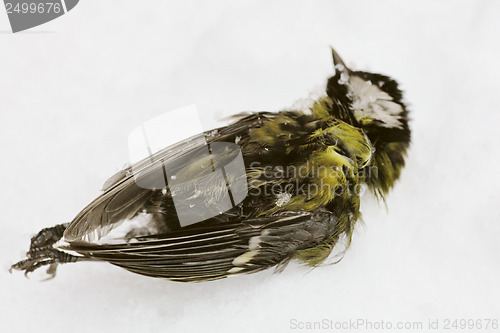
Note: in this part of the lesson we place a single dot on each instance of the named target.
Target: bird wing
(129, 192)
(216, 250)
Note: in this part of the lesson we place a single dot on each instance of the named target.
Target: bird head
(373, 102)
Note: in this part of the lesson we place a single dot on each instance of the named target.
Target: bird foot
(42, 253)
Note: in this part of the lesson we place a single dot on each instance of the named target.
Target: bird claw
(32, 264)
(41, 252)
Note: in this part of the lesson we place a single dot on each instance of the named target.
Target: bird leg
(42, 252)
(47, 237)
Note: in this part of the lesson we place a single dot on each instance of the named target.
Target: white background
(73, 89)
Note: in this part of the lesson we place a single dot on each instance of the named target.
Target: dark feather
(211, 252)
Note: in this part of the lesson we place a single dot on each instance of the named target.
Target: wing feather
(123, 198)
(206, 254)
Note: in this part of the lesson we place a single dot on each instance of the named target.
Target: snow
(73, 89)
(282, 198)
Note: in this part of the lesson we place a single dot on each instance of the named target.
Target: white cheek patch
(371, 102)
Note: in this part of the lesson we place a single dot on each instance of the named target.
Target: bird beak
(338, 63)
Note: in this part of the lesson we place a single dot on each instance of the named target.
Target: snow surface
(73, 89)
